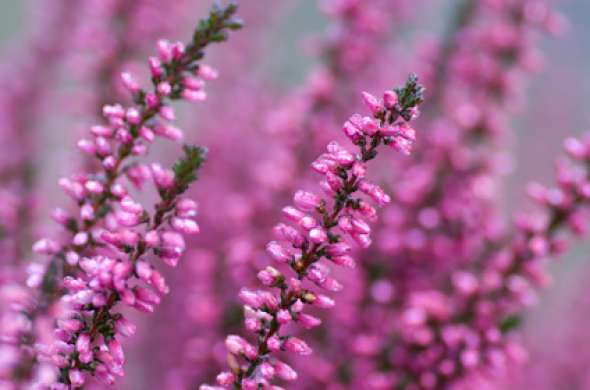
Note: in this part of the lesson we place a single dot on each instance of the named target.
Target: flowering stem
(319, 236)
(110, 220)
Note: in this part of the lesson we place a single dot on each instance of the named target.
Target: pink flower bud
(250, 298)
(129, 82)
(274, 344)
(318, 235)
(87, 212)
(338, 249)
(87, 146)
(133, 116)
(389, 99)
(267, 371)
(167, 113)
(125, 327)
(278, 252)
(306, 200)
(77, 378)
(152, 100)
(193, 83)
(207, 72)
(375, 192)
(116, 351)
(225, 378)
(163, 178)
(284, 371)
(293, 214)
(334, 181)
(155, 67)
(109, 163)
(144, 271)
(323, 302)
(185, 225)
(83, 343)
(293, 344)
(369, 126)
(307, 321)
(193, 96)
(152, 239)
(575, 148)
(331, 284)
(94, 187)
(164, 50)
(80, 239)
(269, 276)
(344, 261)
(351, 131)
(372, 103)
(283, 317)
(46, 246)
(363, 240)
(168, 131)
(102, 131)
(178, 50)
(238, 346)
(289, 234)
(159, 283)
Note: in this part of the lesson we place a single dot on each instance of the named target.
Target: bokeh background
(556, 106)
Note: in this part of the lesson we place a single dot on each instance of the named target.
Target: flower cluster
(283, 135)
(113, 233)
(323, 228)
(87, 333)
(454, 336)
(441, 281)
(445, 201)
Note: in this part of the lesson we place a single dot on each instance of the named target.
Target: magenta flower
(324, 230)
(106, 261)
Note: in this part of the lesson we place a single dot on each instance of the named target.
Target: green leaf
(186, 167)
(234, 24)
(411, 94)
(509, 323)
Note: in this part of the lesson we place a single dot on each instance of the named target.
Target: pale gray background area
(556, 105)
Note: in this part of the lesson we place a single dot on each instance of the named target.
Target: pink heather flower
(277, 251)
(307, 249)
(207, 72)
(306, 201)
(129, 82)
(445, 218)
(389, 99)
(284, 371)
(114, 234)
(372, 103)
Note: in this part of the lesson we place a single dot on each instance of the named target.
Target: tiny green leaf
(509, 323)
(411, 94)
(186, 167)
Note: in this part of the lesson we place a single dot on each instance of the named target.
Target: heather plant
(106, 254)
(464, 332)
(447, 212)
(293, 128)
(318, 231)
(431, 295)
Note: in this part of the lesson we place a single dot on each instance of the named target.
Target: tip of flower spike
(186, 168)
(221, 18)
(410, 96)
